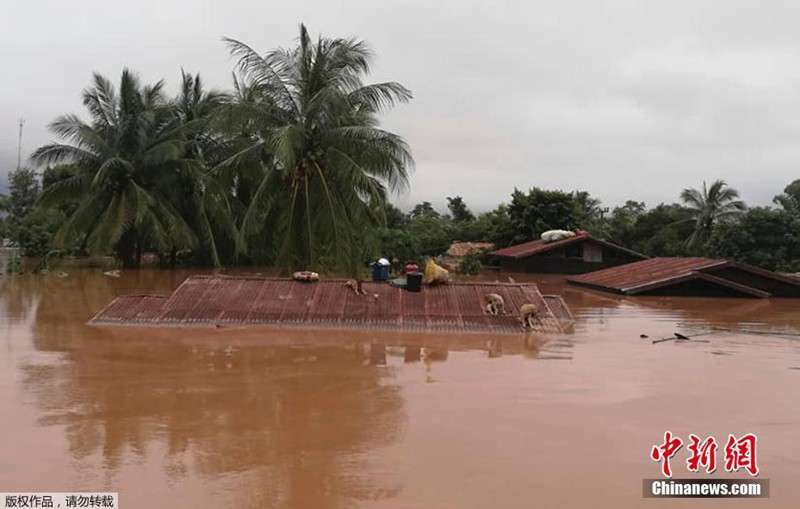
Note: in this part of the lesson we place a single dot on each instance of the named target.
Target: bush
(470, 264)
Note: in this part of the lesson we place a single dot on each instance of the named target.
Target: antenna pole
(19, 146)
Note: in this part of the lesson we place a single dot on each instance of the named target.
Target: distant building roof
(539, 246)
(459, 249)
(659, 273)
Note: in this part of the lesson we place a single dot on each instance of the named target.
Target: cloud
(625, 99)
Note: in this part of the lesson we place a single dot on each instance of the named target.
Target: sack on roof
(554, 235)
(306, 276)
(434, 274)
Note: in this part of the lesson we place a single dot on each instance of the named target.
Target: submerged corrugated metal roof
(656, 273)
(633, 275)
(236, 300)
(539, 246)
(558, 306)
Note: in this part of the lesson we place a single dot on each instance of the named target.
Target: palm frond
(379, 96)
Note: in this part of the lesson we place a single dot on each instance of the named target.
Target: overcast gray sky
(625, 99)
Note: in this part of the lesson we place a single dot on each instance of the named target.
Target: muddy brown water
(251, 418)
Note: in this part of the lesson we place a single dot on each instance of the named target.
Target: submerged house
(250, 301)
(575, 255)
(701, 277)
(460, 249)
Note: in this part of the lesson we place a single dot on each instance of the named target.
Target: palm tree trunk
(139, 249)
(128, 250)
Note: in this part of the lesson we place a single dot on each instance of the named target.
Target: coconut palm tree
(201, 198)
(708, 207)
(312, 128)
(587, 210)
(129, 155)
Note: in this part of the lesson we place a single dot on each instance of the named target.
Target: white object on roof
(384, 262)
(554, 235)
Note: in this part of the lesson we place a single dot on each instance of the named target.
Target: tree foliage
(662, 231)
(458, 210)
(764, 237)
(789, 200)
(291, 167)
(532, 213)
(130, 156)
(28, 227)
(323, 162)
(709, 206)
(423, 209)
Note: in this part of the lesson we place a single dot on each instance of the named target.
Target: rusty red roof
(243, 300)
(656, 273)
(558, 306)
(539, 246)
(458, 249)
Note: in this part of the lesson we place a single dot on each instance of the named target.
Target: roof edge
(697, 274)
(549, 246)
(759, 272)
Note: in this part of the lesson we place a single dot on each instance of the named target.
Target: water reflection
(293, 415)
(303, 419)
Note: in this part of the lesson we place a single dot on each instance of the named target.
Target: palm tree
(587, 210)
(129, 156)
(708, 207)
(312, 129)
(199, 196)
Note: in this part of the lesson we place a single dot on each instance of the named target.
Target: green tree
(24, 189)
(395, 218)
(587, 211)
(532, 213)
(433, 234)
(199, 196)
(458, 210)
(423, 209)
(3, 221)
(398, 244)
(662, 231)
(56, 174)
(498, 226)
(710, 206)
(764, 237)
(129, 156)
(622, 223)
(27, 226)
(312, 126)
(790, 199)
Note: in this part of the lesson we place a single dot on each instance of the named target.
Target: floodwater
(230, 418)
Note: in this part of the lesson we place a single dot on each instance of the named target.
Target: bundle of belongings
(554, 235)
(306, 276)
(434, 274)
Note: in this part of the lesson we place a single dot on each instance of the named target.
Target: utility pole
(19, 146)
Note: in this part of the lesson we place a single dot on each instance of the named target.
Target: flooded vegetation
(254, 418)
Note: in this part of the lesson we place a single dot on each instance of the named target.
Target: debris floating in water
(677, 336)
